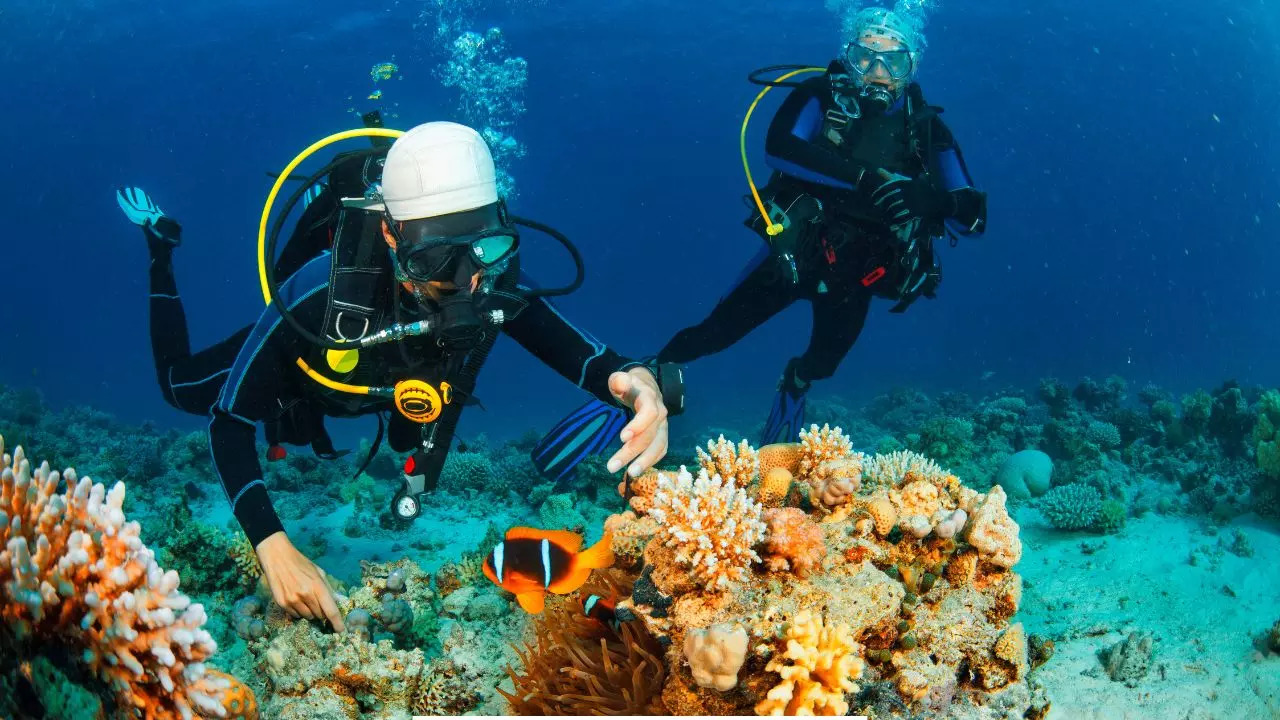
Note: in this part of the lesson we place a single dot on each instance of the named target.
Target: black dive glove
(903, 199)
(971, 209)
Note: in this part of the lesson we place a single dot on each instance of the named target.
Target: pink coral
(75, 573)
(792, 541)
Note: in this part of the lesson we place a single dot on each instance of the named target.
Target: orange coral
(883, 513)
(783, 455)
(792, 541)
(238, 700)
(774, 487)
(79, 575)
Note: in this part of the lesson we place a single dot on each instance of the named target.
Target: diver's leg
(759, 295)
(188, 382)
(837, 322)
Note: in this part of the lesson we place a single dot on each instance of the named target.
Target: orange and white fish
(531, 563)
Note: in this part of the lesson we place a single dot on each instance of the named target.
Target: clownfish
(604, 610)
(531, 563)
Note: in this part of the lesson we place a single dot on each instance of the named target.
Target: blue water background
(1130, 152)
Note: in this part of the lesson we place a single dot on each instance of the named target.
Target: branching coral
(818, 446)
(576, 666)
(739, 464)
(818, 666)
(891, 469)
(77, 574)
(712, 525)
(1071, 507)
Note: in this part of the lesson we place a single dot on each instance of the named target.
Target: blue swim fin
(786, 417)
(584, 432)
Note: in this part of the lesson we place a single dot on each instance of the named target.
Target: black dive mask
(433, 250)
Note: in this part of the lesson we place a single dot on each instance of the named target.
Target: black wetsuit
(252, 376)
(844, 252)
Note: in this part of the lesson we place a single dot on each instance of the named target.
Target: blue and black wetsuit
(844, 252)
(252, 376)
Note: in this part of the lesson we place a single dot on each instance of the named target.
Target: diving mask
(426, 256)
(861, 59)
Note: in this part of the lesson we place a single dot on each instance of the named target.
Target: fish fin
(596, 557)
(571, 581)
(584, 432)
(532, 602)
(568, 541)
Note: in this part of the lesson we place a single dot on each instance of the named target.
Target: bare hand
(297, 584)
(645, 437)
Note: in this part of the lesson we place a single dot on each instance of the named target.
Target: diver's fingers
(656, 450)
(649, 412)
(644, 435)
(330, 609)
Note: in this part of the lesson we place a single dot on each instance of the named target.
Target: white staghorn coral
(74, 572)
(740, 464)
(712, 524)
(890, 470)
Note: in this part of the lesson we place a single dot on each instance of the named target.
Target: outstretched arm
(590, 364)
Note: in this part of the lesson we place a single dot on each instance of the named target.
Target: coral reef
(906, 599)
(79, 577)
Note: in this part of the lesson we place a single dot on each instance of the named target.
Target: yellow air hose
(771, 227)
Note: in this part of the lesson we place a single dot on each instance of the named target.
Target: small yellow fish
(375, 95)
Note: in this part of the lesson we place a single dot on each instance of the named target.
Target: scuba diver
(866, 176)
(396, 281)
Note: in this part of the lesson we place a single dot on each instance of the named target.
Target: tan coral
(774, 487)
(819, 446)
(1012, 648)
(630, 535)
(740, 464)
(818, 664)
(883, 513)
(711, 524)
(792, 541)
(783, 455)
(919, 497)
(993, 533)
(715, 655)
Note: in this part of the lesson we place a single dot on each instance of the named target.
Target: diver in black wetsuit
(422, 270)
(866, 178)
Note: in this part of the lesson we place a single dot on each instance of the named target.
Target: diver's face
(455, 225)
(877, 74)
(432, 289)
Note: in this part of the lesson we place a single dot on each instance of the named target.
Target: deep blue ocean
(1129, 149)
